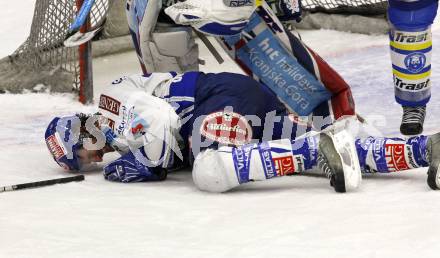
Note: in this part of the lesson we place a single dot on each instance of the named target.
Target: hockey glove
(127, 169)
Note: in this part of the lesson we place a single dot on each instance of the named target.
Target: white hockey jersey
(163, 100)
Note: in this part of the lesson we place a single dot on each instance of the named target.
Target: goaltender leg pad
(411, 47)
(171, 49)
(160, 48)
(263, 53)
(140, 28)
(300, 78)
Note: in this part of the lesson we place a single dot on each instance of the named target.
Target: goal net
(43, 60)
(359, 16)
(361, 7)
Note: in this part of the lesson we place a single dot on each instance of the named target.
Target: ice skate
(338, 161)
(412, 120)
(433, 153)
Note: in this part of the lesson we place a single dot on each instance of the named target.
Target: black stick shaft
(42, 183)
(210, 47)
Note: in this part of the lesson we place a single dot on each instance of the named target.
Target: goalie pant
(411, 47)
(228, 167)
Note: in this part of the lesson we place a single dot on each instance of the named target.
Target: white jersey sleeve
(131, 97)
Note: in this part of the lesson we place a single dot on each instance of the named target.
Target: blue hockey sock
(266, 160)
(385, 155)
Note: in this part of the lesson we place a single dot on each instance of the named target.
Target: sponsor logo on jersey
(109, 104)
(268, 164)
(54, 147)
(238, 3)
(284, 165)
(227, 128)
(242, 160)
(415, 62)
(395, 157)
(410, 155)
(405, 38)
(399, 83)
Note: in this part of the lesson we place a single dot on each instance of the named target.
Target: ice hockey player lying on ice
(230, 128)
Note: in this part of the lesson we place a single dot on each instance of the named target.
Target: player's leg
(411, 46)
(228, 167)
(386, 155)
(161, 45)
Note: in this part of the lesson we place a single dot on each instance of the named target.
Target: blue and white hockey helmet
(63, 141)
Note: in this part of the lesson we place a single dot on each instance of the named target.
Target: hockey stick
(83, 13)
(210, 47)
(42, 183)
(76, 36)
(80, 38)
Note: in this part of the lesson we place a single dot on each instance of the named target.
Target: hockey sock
(255, 162)
(411, 46)
(385, 155)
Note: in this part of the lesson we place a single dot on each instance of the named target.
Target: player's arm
(148, 155)
(128, 169)
(148, 127)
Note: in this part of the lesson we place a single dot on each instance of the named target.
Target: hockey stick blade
(42, 183)
(80, 38)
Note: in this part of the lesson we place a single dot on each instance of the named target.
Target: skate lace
(413, 115)
(324, 166)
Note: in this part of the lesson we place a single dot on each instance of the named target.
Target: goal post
(85, 64)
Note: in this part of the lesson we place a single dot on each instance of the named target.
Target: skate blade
(434, 164)
(344, 144)
(434, 178)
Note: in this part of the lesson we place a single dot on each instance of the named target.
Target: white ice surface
(393, 215)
